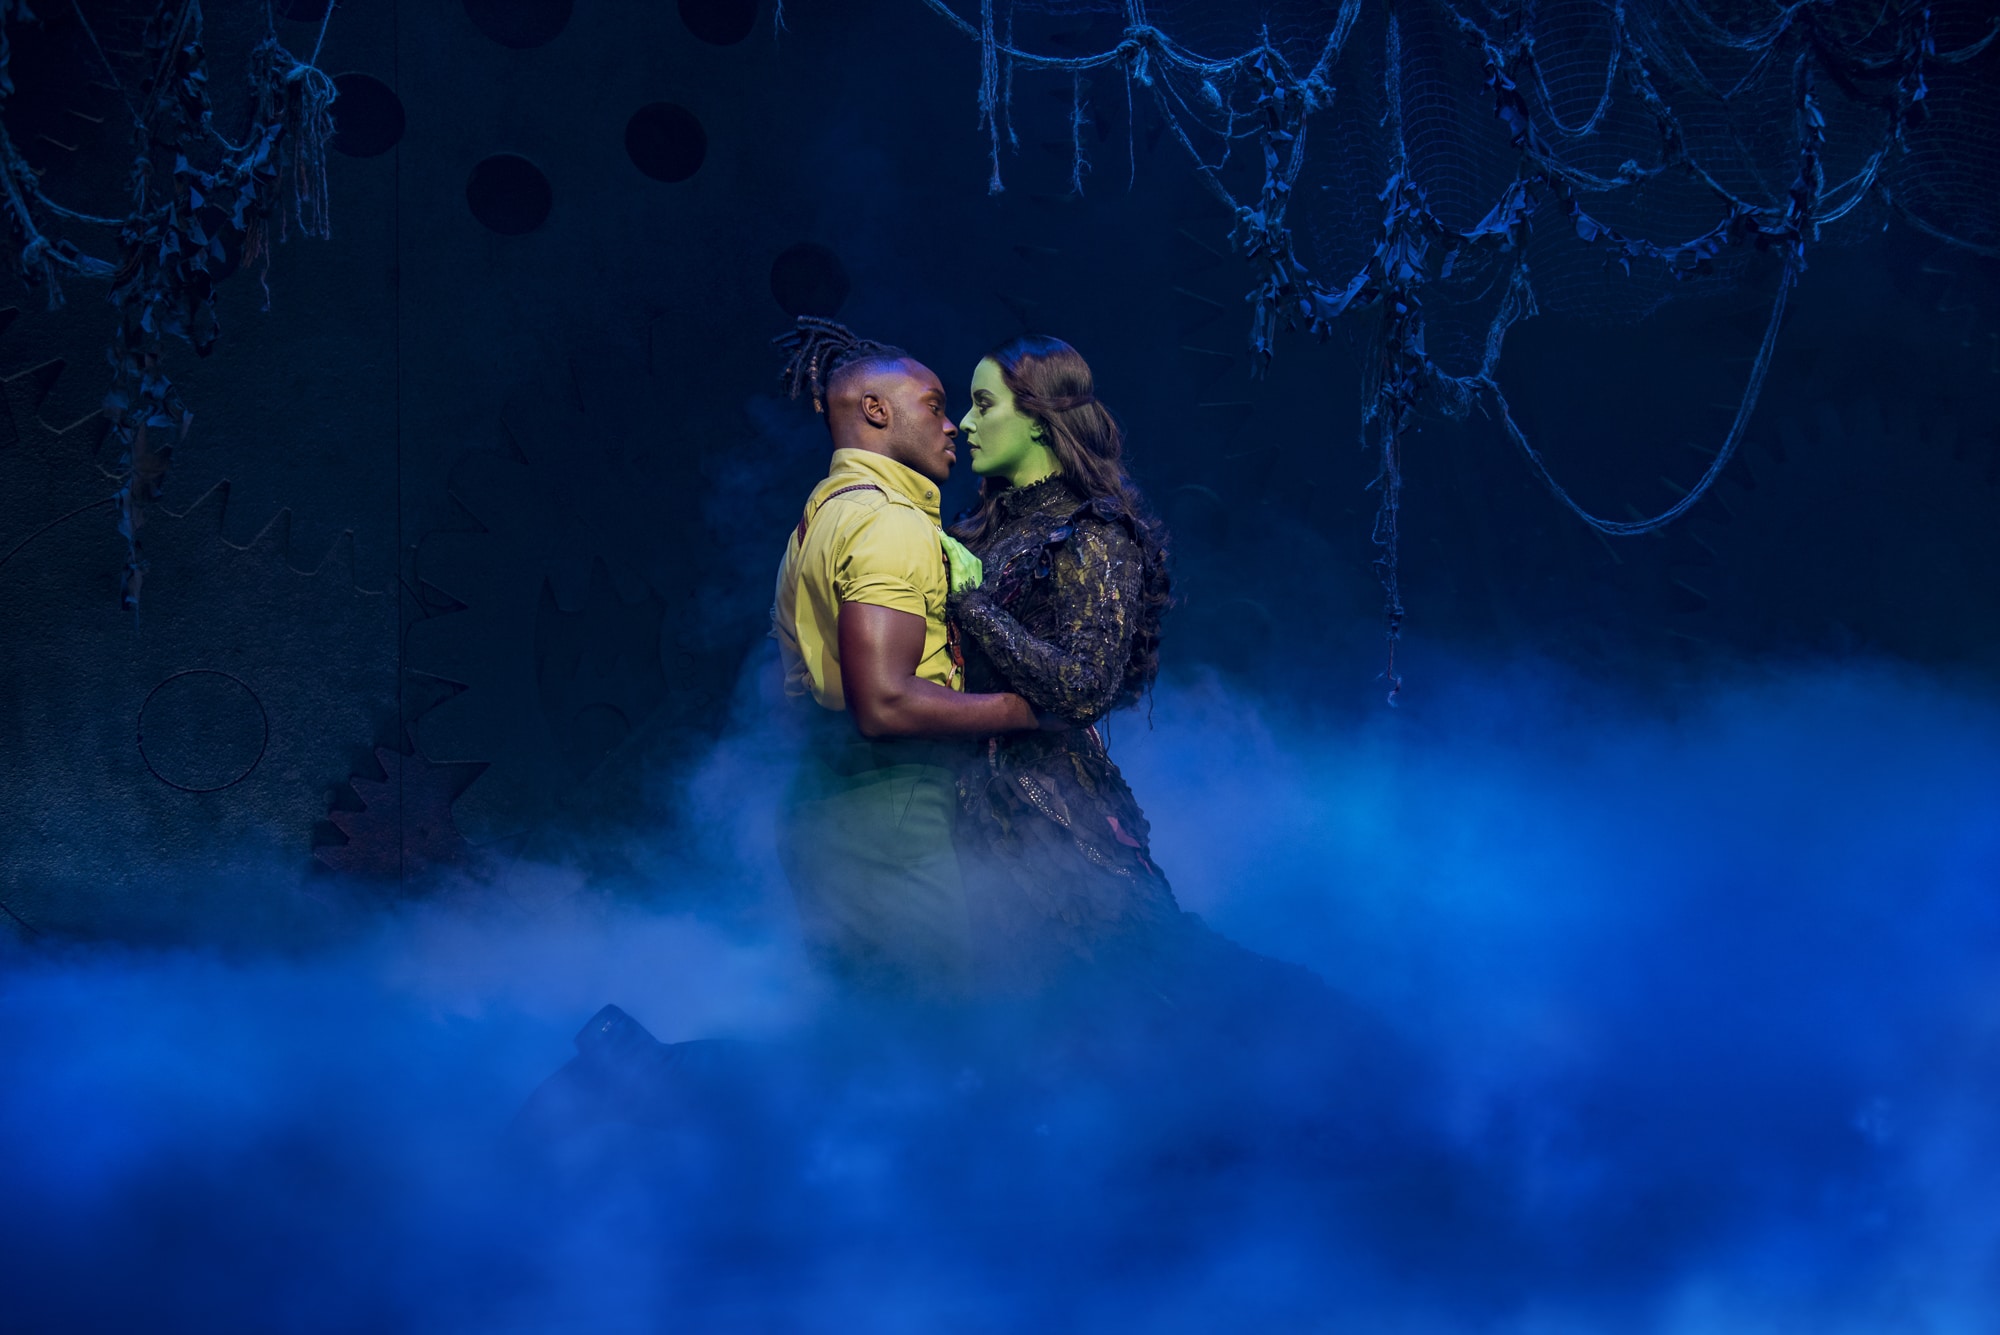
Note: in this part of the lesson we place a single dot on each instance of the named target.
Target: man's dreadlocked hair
(819, 348)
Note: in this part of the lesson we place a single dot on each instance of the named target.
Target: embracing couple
(955, 823)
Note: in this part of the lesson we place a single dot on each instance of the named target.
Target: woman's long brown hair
(1053, 388)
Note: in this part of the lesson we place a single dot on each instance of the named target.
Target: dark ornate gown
(1055, 848)
(1071, 914)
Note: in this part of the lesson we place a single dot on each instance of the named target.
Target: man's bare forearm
(880, 648)
(925, 709)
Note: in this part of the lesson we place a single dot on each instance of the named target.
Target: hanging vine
(1414, 248)
(198, 200)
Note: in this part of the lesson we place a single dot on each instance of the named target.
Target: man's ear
(875, 409)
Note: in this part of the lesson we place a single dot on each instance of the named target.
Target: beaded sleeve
(1091, 597)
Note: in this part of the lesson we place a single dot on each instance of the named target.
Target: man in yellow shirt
(859, 618)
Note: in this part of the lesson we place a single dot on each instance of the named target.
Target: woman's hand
(966, 569)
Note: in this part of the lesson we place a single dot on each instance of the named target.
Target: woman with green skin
(1067, 615)
(1008, 445)
(1068, 910)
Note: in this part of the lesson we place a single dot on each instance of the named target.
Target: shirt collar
(852, 466)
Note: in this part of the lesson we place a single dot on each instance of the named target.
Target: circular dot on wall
(666, 141)
(367, 116)
(809, 279)
(509, 194)
(519, 24)
(202, 731)
(719, 22)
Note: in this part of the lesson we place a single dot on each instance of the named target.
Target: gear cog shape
(556, 639)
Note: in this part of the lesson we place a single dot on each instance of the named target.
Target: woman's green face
(1002, 442)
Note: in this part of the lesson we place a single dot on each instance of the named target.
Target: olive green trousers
(865, 837)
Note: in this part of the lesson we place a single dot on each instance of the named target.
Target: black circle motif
(665, 141)
(509, 194)
(519, 24)
(367, 116)
(202, 731)
(809, 279)
(719, 22)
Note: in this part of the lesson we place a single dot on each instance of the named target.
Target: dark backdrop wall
(474, 526)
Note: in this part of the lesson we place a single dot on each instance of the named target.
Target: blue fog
(1694, 1004)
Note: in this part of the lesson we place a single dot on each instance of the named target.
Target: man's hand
(966, 570)
(880, 649)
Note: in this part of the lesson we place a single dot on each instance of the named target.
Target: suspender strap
(859, 486)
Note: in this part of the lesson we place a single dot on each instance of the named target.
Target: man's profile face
(921, 434)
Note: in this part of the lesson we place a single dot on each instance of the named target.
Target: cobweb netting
(1448, 167)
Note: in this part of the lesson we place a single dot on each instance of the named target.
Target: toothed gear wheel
(404, 827)
(557, 644)
(95, 836)
(51, 474)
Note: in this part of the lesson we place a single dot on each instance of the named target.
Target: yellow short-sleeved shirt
(861, 546)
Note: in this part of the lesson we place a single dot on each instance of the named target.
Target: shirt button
(928, 495)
